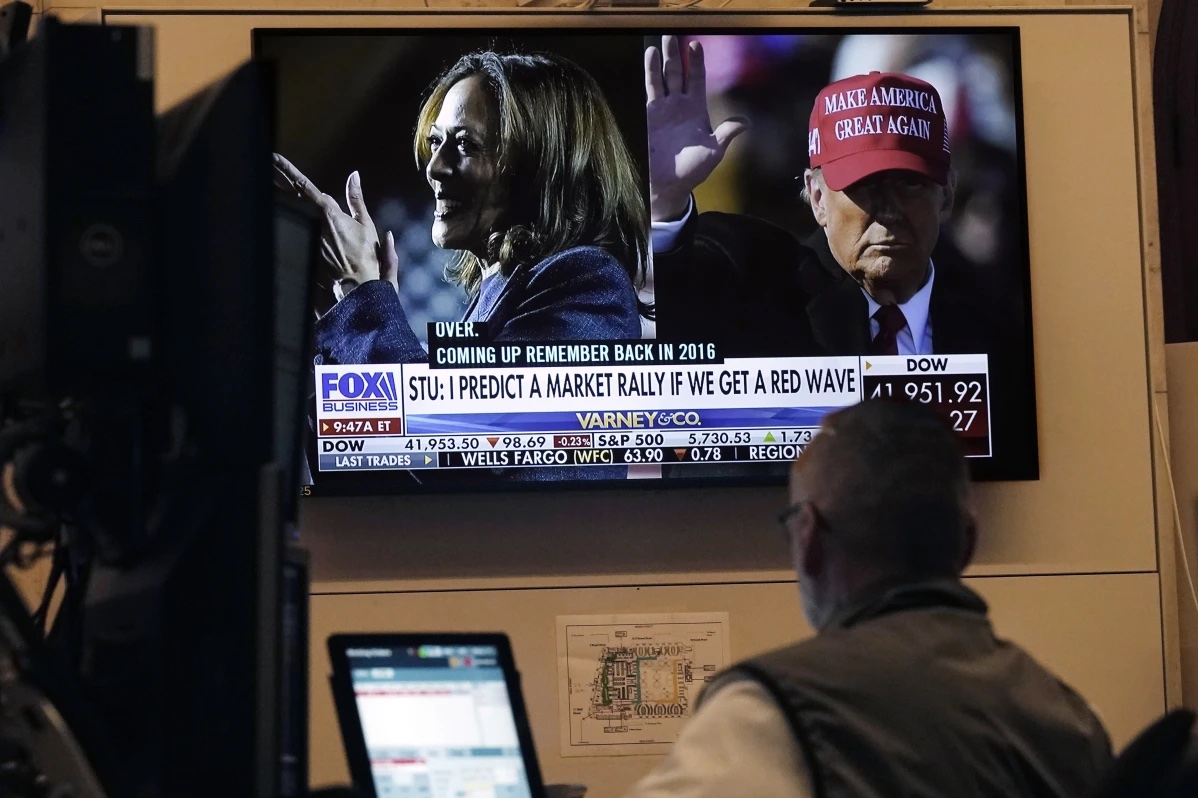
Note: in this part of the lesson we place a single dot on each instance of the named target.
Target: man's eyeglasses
(789, 513)
(793, 510)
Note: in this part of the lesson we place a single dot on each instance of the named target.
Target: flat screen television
(649, 250)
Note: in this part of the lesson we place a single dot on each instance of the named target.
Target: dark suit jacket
(755, 290)
(582, 293)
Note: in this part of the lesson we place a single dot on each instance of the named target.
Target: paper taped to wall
(628, 683)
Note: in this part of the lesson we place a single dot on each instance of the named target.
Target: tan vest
(909, 693)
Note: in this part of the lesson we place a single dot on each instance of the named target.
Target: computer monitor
(431, 715)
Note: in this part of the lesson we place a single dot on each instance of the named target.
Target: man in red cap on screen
(880, 184)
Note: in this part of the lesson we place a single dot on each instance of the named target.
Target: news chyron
(615, 409)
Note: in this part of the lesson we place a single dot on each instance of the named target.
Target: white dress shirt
(914, 339)
(663, 235)
(915, 311)
(738, 744)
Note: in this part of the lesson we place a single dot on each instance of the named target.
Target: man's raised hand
(683, 148)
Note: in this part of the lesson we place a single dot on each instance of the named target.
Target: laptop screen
(437, 720)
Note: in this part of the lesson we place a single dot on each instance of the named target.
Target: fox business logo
(358, 391)
(639, 419)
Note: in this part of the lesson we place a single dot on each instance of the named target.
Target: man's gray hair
(804, 194)
(891, 482)
(818, 174)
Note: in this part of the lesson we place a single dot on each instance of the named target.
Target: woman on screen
(536, 191)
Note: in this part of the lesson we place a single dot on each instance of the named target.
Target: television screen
(578, 257)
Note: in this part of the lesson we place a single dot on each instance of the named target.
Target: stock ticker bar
(603, 413)
(526, 458)
(614, 448)
(592, 412)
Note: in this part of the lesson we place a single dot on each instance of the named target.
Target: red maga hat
(875, 122)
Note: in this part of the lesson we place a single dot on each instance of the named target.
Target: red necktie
(890, 321)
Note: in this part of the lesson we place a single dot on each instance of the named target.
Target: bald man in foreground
(905, 690)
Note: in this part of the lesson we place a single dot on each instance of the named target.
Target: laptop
(427, 715)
